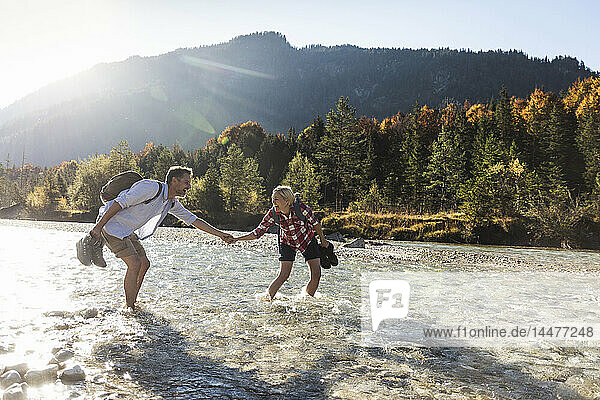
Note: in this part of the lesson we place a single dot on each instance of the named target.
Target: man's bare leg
(134, 263)
(315, 275)
(145, 264)
(284, 274)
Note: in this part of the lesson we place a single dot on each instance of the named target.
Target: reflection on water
(203, 332)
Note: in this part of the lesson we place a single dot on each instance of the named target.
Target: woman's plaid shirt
(294, 232)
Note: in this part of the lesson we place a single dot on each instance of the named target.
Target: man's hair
(178, 172)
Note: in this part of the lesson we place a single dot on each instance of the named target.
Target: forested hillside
(514, 171)
(190, 95)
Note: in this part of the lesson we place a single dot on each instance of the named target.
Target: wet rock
(40, 376)
(61, 356)
(336, 237)
(9, 378)
(21, 368)
(89, 313)
(60, 314)
(99, 379)
(107, 396)
(356, 244)
(15, 392)
(72, 375)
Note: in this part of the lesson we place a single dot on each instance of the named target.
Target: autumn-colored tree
(247, 136)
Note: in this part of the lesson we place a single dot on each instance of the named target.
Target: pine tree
(309, 140)
(121, 158)
(588, 141)
(418, 154)
(340, 154)
(302, 177)
(446, 171)
(241, 183)
(273, 157)
(394, 156)
(503, 119)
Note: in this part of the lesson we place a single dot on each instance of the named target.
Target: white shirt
(139, 218)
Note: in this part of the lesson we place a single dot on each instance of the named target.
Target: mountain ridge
(190, 94)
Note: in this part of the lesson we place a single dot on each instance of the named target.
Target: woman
(296, 233)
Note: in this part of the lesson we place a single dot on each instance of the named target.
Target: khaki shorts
(126, 247)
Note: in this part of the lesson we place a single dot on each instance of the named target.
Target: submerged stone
(60, 314)
(89, 313)
(72, 375)
(356, 244)
(336, 237)
(21, 368)
(41, 376)
(7, 348)
(15, 392)
(9, 378)
(61, 356)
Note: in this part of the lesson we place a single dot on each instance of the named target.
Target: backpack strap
(299, 214)
(156, 195)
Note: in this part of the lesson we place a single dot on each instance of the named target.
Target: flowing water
(203, 331)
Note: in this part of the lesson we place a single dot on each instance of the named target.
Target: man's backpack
(120, 182)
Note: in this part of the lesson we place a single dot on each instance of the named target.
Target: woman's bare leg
(315, 275)
(284, 274)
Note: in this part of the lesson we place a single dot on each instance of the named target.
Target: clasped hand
(228, 238)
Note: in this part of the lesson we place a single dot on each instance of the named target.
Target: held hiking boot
(324, 260)
(331, 255)
(84, 250)
(328, 257)
(97, 257)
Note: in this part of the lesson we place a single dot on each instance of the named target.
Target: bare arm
(112, 210)
(201, 224)
(249, 236)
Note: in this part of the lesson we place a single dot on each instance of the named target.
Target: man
(135, 215)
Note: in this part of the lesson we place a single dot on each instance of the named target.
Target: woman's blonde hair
(286, 192)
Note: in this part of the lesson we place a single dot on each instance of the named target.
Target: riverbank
(451, 228)
(455, 228)
(437, 256)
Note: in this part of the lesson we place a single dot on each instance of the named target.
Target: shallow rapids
(203, 331)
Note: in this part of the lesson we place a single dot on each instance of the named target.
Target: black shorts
(289, 254)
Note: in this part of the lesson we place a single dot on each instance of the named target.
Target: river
(202, 330)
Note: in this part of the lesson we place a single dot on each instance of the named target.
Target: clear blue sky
(42, 41)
